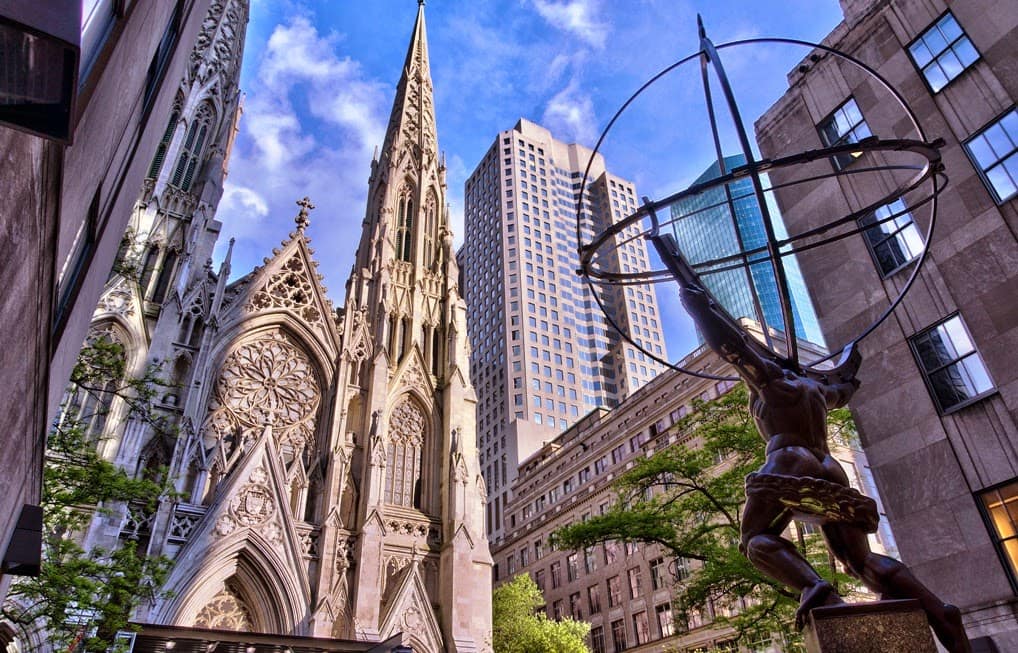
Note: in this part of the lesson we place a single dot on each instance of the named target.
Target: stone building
(938, 406)
(326, 467)
(544, 352)
(623, 589)
(66, 202)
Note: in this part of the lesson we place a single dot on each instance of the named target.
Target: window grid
(1000, 506)
(994, 150)
(892, 237)
(844, 125)
(942, 52)
(952, 368)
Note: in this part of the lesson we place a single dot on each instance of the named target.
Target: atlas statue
(800, 479)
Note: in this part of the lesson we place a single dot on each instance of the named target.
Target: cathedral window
(430, 233)
(89, 401)
(404, 226)
(403, 456)
(193, 147)
(165, 276)
(164, 144)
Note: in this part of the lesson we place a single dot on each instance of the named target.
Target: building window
(657, 573)
(164, 143)
(557, 609)
(539, 579)
(556, 574)
(589, 560)
(614, 592)
(994, 150)
(951, 365)
(574, 606)
(892, 237)
(634, 582)
(597, 639)
(845, 125)
(572, 567)
(641, 627)
(942, 52)
(404, 463)
(619, 635)
(1001, 507)
(161, 57)
(665, 621)
(594, 599)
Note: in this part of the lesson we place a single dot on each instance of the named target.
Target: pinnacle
(302, 218)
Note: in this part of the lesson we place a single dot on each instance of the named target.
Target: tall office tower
(543, 352)
(938, 405)
(726, 220)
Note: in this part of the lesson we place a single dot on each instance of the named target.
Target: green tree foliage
(81, 599)
(519, 627)
(688, 499)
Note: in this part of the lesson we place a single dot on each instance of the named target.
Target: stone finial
(302, 219)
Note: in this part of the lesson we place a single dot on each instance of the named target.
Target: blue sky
(319, 79)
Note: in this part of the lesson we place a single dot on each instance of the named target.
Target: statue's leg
(762, 524)
(892, 580)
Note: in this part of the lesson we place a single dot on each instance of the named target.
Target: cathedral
(325, 462)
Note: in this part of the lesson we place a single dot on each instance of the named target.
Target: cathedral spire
(412, 122)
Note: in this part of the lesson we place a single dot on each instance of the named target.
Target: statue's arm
(726, 337)
(841, 382)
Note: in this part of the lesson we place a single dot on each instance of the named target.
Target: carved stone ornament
(226, 611)
(406, 424)
(118, 301)
(290, 288)
(252, 506)
(268, 381)
(225, 525)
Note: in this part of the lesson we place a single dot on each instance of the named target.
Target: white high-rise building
(544, 353)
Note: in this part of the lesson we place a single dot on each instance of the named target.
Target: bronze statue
(800, 479)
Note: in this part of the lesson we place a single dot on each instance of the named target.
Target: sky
(319, 79)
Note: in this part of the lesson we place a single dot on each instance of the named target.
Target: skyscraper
(543, 352)
(707, 229)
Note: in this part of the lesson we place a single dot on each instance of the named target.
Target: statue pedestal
(877, 627)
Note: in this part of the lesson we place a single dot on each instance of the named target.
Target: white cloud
(578, 17)
(312, 118)
(570, 115)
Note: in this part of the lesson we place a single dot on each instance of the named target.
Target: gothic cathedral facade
(326, 459)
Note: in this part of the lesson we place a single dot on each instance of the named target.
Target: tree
(82, 598)
(688, 499)
(518, 626)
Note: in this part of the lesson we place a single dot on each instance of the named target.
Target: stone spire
(412, 122)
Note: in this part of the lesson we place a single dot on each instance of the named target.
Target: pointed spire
(413, 113)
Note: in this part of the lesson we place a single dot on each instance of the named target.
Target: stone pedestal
(878, 627)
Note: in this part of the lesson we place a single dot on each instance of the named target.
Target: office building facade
(726, 221)
(938, 405)
(543, 352)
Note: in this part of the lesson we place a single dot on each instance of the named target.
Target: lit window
(845, 125)
(942, 52)
(951, 366)
(1001, 507)
(995, 152)
(892, 237)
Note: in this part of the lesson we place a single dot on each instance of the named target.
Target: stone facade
(65, 210)
(938, 406)
(326, 469)
(564, 483)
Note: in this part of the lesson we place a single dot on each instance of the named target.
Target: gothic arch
(251, 571)
(411, 451)
(405, 222)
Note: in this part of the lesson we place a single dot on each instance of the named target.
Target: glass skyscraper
(707, 229)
